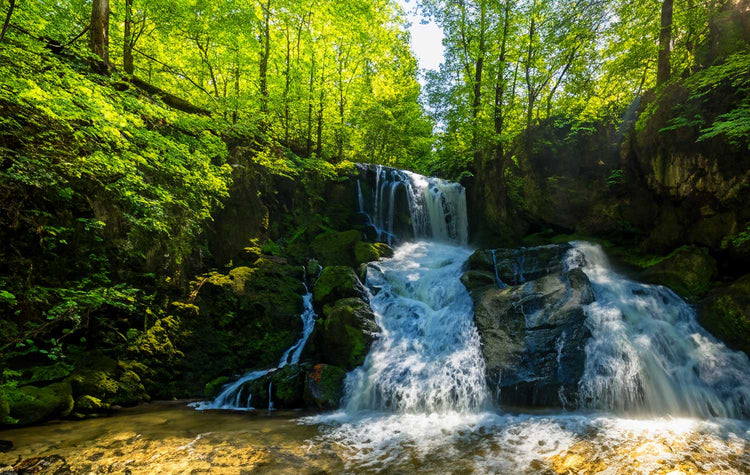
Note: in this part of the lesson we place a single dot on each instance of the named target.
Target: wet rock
(336, 248)
(335, 283)
(688, 271)
(726, 314)
(90, 405)
(32, 404)
(285, 387)
(516, 266)
(533, 334)
(324, 386)
(5, 445)
(313, 269)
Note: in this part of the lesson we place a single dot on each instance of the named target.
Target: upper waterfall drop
(401, 204)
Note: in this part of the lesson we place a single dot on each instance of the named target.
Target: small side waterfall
(436, 208)
(648, 354)
(233, 395)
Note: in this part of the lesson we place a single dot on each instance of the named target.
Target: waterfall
(436, 208)
(648, 354)
(231, 396)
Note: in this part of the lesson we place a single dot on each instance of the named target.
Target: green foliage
(617, 177)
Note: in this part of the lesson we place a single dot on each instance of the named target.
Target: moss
(726, 314)
(93, 382)
(213, 387)
(90, 405)
(130, 390)
(348, 330)
(5, 411)
(43, 374)
(30, 404)
(324, 386)
(688, 271)
(156, 342)
(335, 283)
(336, 248)
(369, 251)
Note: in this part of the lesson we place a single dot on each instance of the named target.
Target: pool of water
(174, 438)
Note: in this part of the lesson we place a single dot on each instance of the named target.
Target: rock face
(688, 271)
(531, 323)
(726, 314)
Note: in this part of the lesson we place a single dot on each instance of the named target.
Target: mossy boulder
(286, 387)
(726, 314)
(324, 386)
(688, 271)
(49, 373)
(110, 381)
(336, 248)
(4, 410)
(371, 251)
(213, 387)
(336, 283)
(343, 337)
(31, 404)
(156, 342)
(90, 405)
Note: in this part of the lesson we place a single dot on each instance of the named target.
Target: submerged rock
(532, 329)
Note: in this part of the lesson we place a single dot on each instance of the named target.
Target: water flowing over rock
(531, 323)
(398, 205)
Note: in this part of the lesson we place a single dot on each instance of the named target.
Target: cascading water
(436, 208)
(234, 397)
(648, 354)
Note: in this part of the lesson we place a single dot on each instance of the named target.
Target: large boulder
(688, 271)
(31, 404)
(726, 314)
(344, 335)
(336, 283)
(371, 251)
(336, 248)
(285, 387)
(532, 333)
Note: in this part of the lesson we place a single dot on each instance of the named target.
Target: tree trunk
(500, 84)
(99, 31)
(665, 43)
(287, 72)
(264, 54)
(11, 7)
(310, 104)
(530, 89)
(127, 49)
(319, 147)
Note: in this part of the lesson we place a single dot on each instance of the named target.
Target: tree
(665, 43)
(99, 31)
(8, 16)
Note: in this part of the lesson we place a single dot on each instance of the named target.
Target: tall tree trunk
(664, 69)
(531, 93)
(319, 146)
(99, 31)
(287, 72)
(478, 70)
(500, 84)
(311, 90)
(264, 54)
(6, 23)
(127, 45)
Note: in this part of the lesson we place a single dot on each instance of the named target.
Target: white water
(648, 354)
(233, 396)
(437, 208)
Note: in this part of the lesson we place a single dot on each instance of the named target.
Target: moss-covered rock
(371, 251)
(286, 387)
(90, 405)
(324, 386)
(110, 381)
(336, 283)
(156, 342)
(336, 248)
(213, 387)
(31, 404)
(726, 314)
(344, 336)
(49, 373)
(4, 410)
(688, 271)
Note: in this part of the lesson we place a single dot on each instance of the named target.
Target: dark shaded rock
(336, 248)
(533, 334)
(5, 445)
(336, 283)
(688, 271)
(286, 387)
(726, 314)
(473, 279)
(324, 386)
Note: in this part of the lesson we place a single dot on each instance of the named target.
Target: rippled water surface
(173, 438)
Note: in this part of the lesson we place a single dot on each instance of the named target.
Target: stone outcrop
(531, 323)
